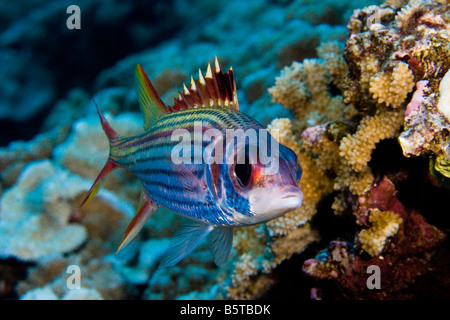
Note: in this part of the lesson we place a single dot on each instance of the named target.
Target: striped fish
(221, 185)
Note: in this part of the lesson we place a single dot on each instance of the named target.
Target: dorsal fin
(152, 106)
(214, 89)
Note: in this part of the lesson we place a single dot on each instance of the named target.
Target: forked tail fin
(110, 164)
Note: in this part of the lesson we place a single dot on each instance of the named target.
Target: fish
(189, 161)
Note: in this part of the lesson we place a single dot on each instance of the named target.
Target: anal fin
(184, 241)
(145, 210)
(220, 242)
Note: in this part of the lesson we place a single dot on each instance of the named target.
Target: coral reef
(35, 214)
(364, 106)
(403, 260)
(345, 102)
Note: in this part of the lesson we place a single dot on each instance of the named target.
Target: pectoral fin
(145, 210)
(185, 239)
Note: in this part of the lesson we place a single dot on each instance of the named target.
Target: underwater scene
(107, 193)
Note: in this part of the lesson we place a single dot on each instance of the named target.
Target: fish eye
(243, 172)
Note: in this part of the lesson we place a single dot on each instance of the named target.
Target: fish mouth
(279, 201)
(291, 192)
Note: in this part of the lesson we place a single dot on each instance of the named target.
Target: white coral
(35, 214)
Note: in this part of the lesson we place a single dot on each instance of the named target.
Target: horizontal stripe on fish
(169, 172)
(147, 156)
(160, 142)
(149, 159)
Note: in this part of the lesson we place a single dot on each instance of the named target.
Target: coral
(356, 149)
(384, 224)
(407, 48)
(403, 260)
(36, 212)
(197, 275)
(19, 153)
(82, 294)
(392, 88)
(304, 88)
(46, 293)
(391, 50)
(15, 81)
(98, 280)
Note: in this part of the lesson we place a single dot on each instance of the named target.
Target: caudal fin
(110, 164)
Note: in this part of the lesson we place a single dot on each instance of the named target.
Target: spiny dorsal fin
(214, 89)
(152, 106)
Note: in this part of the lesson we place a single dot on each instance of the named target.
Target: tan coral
(384, 224)
(331, 54)
(295, 242)
(303, 88)
(392, 88)
(356, 149)
(405, 15)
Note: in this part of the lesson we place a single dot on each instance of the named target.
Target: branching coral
(390, 48)
(409, 46)
(356, 149)
(304, 88)
(384, 224)
(392, 88)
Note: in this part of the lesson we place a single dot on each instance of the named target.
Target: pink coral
(418, 98)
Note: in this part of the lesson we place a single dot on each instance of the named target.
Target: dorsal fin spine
(215, 89)
(152, 106)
